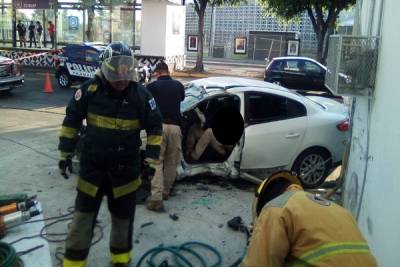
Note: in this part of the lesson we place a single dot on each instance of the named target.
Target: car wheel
(312, 167)
(64, 80)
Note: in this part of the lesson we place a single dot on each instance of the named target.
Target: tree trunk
(199, 62)
(330, 31)
(320, 46)
(90, 30)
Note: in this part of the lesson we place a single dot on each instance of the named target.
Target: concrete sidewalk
(223, 69)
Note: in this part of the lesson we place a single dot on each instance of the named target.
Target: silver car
(10, 74)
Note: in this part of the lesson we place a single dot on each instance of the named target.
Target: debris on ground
(220, 225)
(146, 224)
(202, 187)
(174, 217)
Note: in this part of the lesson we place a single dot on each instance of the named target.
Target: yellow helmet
(272, 187)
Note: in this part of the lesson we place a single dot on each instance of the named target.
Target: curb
(182, 74)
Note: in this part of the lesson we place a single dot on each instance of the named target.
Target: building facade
(372, 182)
(224, 24)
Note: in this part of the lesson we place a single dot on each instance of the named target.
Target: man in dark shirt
(21, 29)
(168, 94)
(32, 36)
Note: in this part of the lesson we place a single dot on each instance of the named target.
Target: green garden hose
(180, 254)
(8, 256)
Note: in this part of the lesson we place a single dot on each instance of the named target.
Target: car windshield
(193, 95)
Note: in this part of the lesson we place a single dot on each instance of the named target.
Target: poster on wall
(240, 45)
(192, 41)
(73, 23)
(293, 47)
(176, 22)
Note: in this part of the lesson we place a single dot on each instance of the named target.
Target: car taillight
(344, 126)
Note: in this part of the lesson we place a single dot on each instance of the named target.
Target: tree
(200, 8)
(323, 15)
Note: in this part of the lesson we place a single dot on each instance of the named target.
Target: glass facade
(72, 20)
(6, 23)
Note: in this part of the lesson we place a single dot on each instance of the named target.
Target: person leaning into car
(168, 94)
(297, 228)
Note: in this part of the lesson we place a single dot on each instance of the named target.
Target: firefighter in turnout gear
(296, 228)
(116, 108)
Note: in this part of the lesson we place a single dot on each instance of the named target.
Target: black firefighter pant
(122, 208)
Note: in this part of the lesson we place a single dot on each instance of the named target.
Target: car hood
(5, 60)
(330, 105)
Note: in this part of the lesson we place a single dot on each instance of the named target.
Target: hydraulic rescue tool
(14, 219)
(13, 207)
(12, 198)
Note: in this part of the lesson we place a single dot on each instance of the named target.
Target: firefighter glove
(64, 165)
(149, 168)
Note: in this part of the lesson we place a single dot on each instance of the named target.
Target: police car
(78, 62)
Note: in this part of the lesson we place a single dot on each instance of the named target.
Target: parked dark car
(299, 73)
(10, 75)
(78, 63)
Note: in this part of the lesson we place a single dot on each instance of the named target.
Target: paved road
(29, 125)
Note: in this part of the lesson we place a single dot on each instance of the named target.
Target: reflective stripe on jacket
(300, 229)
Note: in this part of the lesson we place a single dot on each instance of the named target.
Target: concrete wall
(153, 37)
(372, 187)
(175, 30)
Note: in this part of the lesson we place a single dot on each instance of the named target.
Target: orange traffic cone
(48, 88)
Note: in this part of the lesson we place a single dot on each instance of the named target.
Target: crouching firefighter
(116, 108)
(296, 228)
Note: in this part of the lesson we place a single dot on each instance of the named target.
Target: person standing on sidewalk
(168, 94)
(32, 36)
(52, 33)
(21, 29)
(39, 33)
(116, 109)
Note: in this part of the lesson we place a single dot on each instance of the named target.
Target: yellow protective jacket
(301, 229)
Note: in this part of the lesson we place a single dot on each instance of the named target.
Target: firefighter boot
(155, 205)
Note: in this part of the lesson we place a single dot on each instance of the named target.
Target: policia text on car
(116, 108)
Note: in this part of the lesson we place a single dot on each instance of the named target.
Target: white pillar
(163, 33)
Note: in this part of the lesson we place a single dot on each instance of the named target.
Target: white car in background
(283, 130)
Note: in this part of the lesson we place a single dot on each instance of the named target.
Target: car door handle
(292, 135)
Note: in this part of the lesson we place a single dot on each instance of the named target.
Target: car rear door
(75, 61)
(293, 77)
(275, 127)
(315, 76)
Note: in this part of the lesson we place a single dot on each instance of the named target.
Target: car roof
(97, 47)
(294, 57)
(301, 58)
(227, 82)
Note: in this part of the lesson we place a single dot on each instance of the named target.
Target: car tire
(306, 162)
(64, 79)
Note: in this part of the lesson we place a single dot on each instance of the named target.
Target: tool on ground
(237, 224)
(14, 207)
(14, 219)
(12, 198)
